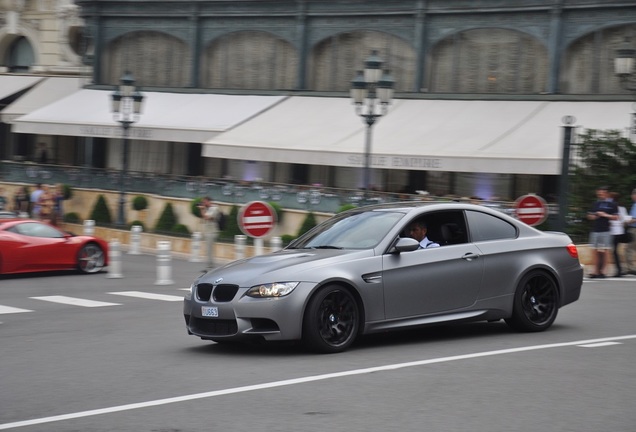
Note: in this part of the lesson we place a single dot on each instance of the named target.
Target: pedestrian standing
(617, 229)
(4, 203)
(209, 213)
(58, 206)
(46, 203)
(35, 201)
(603, 210)
(21, 201)
(630, 250)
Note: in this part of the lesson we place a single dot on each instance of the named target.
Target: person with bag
(619, 234)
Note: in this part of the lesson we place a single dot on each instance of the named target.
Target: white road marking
(75, 301)
(600, 344)
(150, 296)
(10, 310)
(294, 381)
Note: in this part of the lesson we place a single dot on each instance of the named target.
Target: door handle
(470, 256)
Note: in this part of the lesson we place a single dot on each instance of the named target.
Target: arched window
(335, 60)
(249, 60)
(21, 56)
(489, 60)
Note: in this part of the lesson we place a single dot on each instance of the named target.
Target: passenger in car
(418, 230)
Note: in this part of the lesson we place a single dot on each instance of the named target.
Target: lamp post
(568, 125)
(371, 93)
(126, 108)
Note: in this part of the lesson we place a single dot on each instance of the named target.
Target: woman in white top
(617, 229)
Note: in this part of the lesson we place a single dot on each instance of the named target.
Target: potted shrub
(140, 204)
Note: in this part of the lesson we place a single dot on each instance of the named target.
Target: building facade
(519, 56)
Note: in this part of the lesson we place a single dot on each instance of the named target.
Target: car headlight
(276, 289)
(189, 291)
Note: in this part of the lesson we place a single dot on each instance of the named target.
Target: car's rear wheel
(331, 321)
(90, 258)
(536, 303)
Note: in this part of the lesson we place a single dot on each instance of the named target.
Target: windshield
(350, 230)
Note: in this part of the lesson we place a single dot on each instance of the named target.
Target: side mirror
(405, 244)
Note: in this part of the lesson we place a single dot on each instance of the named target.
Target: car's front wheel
(331, 321)
(90, 258)
(536, 303)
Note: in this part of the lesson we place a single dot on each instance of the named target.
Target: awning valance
(520, 137)
(176, 117)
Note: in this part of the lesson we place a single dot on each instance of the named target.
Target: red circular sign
(531, 209)
(256, 219)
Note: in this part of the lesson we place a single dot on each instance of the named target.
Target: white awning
(47, 91)
(12, 84)
(176, 117)
(524, 137)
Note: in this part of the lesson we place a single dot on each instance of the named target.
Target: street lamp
(568, 125)
(370, 88)
(126, 108)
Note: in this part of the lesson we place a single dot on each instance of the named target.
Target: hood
(285, 265)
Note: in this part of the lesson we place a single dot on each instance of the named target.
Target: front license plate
(209, 311)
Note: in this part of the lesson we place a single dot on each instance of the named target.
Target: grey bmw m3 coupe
(361, 272)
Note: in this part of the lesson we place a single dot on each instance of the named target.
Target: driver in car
(417, 230)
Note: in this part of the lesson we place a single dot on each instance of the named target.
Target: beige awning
(175, 117)
(519, 137)
(47, 91)
(12, 84)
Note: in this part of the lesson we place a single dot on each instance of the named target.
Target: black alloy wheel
(536, 303)
(331, 321)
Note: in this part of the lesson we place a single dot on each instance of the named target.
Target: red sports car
(32, 246)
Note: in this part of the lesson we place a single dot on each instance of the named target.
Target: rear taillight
(573, 251)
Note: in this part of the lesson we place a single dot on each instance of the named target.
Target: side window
(37, 230)
(485, 227)
(446, 227)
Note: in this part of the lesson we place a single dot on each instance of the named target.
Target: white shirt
(427, 244)
(617, 227)
(209, 218)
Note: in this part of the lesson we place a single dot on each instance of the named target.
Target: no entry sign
(531, 209)
(256, 219)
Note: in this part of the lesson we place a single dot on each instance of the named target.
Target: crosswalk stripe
(10, 310)
(147, 295)
(75, 301)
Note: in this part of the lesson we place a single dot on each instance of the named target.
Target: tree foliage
(308, 223)
(599, 158)
(167, 220)
(100, 213)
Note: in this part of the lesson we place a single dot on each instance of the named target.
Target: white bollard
(239, 246)
(89, 227)
(135, 240)
(258, 246)
(164, 263)
(276, 244)
(195, 247)
(114, 260)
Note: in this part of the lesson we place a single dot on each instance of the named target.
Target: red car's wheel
(90, 258)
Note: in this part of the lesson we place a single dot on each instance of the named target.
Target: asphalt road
(127, 364)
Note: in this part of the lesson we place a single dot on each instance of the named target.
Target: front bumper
(241, 317)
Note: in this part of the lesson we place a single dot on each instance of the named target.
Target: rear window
(484, 227)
